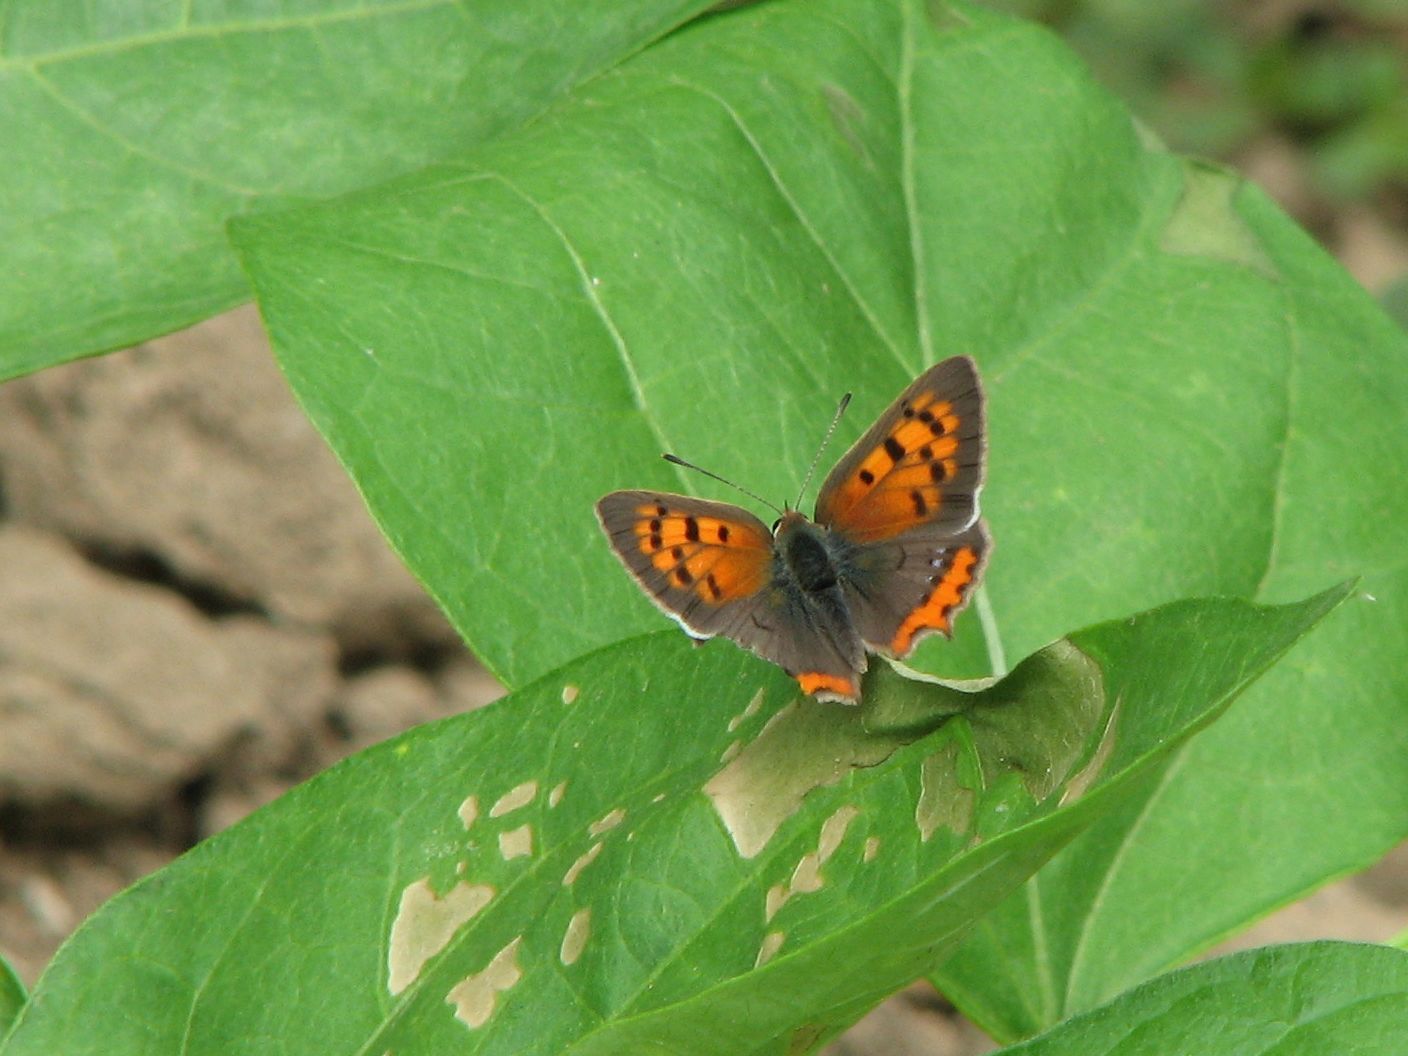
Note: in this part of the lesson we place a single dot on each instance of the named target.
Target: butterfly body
(894, 552)
(811, 567)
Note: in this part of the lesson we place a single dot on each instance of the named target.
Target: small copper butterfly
(893, 554)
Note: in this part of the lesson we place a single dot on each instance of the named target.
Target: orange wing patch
(936, 611)
(715, 558)
(901, 481)
(839, 685)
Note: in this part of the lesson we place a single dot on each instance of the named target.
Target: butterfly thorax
(806, 550)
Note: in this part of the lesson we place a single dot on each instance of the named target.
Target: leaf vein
(184, 31)
(775, 177)
(84, 117)
(618, 339)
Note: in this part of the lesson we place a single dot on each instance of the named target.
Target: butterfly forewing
(710, 566)
(698, 560)
(920, 464)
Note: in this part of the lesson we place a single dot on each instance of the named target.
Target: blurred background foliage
(1308, 98)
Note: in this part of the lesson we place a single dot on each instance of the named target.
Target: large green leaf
(1303, 1000)
(702, 249)
(135, 128)
(1273, 387)
(655, 850)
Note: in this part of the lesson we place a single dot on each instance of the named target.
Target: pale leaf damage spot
(607, 823)
(555, 796)
(942, 803)
(772, 942)
(747, 713)
(575, 939)
(569, 694)
(774, 900)
(575, 869)
(475, 996)
(806, 877)
(872, 848)
(424, 925)
(516, 843)
(514, 799)
(469, 811)
(804, 746)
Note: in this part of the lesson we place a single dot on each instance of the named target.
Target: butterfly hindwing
(903, 589)
(712, 567)
(920, 464)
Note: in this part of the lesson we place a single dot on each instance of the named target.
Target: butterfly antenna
(840, 410)
(737, 487)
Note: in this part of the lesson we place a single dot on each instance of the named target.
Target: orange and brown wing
(699, 561)
(919, 465)
(710, 566)
(904, 589)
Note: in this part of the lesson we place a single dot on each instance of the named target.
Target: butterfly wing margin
(905, 589)
(710, 567)
(921, 463)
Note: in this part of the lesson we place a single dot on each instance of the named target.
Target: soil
(170, 510)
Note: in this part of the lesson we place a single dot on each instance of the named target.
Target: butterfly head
(788, 522)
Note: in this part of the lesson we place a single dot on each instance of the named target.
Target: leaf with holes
(702, 250)
(139, 127)
(656, 850)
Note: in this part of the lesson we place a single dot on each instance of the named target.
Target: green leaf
(138, 128)
(701, 250)
(699, 253)
(653, 844)
(775, 205)
(1251, 817)
(12, 996)
(1301, 1000)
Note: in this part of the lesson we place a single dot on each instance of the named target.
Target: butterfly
(893, 553)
